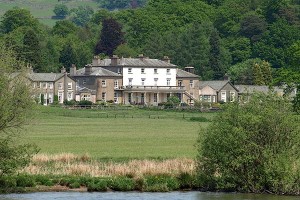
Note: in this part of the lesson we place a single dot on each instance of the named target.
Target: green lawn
(43, 9)
(116, 134)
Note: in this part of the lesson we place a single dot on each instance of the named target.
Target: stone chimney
(63, 70)
(96, 61)
(114, 60)
(226, 77)
(166, 59)
(190, 69)
(73, 70)
(29, 69)
(88, 69)
(141, 56)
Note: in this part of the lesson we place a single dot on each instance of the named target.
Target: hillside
(43, 9)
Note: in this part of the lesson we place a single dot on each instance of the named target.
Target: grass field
(116, 134)
(43, 9)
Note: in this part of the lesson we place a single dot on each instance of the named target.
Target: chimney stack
(88, 69)
(73, 70)
(141, 56)
(190, 69)
(96, 61)
(114, 60)
(166, 59)
(63, 70)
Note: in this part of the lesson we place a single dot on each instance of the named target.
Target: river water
(142, 196)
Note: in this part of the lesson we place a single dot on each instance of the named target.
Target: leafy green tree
(17, 17)
(242, 73)
(258, 78)
(68, 55)
(296, 100)
(61, 10)
(32, 49)
(271, 9)
(111, 37)
(239, 48)
(251, 147)
(100, 15)
(81, 15)
(125, 51)
(16, 104)
(64, 28)
(253, 26)
(275, 43)
(217, 57)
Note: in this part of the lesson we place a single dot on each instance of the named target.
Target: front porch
(151, 95)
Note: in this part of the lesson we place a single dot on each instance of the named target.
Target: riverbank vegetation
(252, 147)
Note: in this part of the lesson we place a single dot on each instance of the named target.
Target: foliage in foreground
(252, 148)
(15, 105)
(149, 183)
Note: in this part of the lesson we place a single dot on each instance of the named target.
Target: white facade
(138, 76)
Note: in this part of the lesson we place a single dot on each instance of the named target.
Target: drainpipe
(65, 86)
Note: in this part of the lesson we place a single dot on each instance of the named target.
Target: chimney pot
(63, 70)
(166, 59)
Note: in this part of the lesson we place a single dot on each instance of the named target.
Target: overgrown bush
(85, 103)
(70, 103)
(160, 183)
(199, 119)
(252, 147)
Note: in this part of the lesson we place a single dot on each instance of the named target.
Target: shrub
(199, 119)
(70, 103)
(186, 181)
(43, 180)
(123, 184)
(161, 183)
(7, 182)
(85, 103)
(25, 181)
(74, 185)
(252, 147)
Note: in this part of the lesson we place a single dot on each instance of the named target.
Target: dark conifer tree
(111, 37)
(215, 55)
(31, 49)
(68, 56)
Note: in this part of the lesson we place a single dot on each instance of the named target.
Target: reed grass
(83, 165)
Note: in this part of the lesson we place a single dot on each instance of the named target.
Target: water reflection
(142, 196)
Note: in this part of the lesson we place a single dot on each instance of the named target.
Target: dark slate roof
(137, 62)
(256, 88)
(96, 71)
(216, 85)
(49, 77)
(184, 74)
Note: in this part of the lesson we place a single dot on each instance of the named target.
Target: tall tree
(17, 17)
(253, 26)
(217, 59)
(81, 15)
(32, 50)
(61, 10)
(68, 55)
(258, 78)
(111, 37)
(16, 104)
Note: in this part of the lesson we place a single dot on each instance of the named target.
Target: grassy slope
(59, 130)
(42, 9)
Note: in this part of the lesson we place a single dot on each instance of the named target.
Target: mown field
(117, 134)
(43, 9)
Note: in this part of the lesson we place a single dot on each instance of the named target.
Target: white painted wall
(149, 76)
